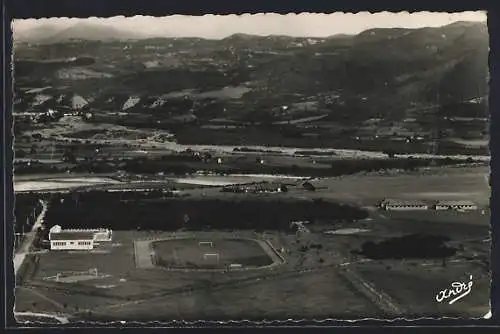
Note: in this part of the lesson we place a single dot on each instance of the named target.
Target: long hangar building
(408, 205)
(456, 205)
(401, 205)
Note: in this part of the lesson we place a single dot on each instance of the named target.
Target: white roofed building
(403, 205)
(72, 241)
(456, 205)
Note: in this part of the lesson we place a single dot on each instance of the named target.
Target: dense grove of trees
(100, 209)
(181, 165)
(413, 246)
(338, 167)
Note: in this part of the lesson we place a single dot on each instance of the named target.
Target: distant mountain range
(393, 69)
(48, 34)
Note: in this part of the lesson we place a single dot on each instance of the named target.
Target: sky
(220, 26)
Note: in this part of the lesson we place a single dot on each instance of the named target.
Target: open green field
(444, 183)
(415, 285)
(310, 295)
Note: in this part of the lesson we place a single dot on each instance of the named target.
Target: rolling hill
(49, 34)
(383, 72)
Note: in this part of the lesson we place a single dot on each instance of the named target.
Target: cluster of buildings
(407, 205)
(255, 188)
(77, 239)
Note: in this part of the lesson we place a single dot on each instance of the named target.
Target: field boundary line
(41, 295)
(72, 289)
(379, 298)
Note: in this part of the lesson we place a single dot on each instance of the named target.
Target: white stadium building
(77, 239)
(403, 205)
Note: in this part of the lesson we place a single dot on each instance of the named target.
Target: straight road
(30, 238)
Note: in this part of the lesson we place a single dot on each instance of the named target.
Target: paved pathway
(30, 238)
(143, 254)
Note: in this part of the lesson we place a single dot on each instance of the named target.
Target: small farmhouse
(402, 205)
(456, 205)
